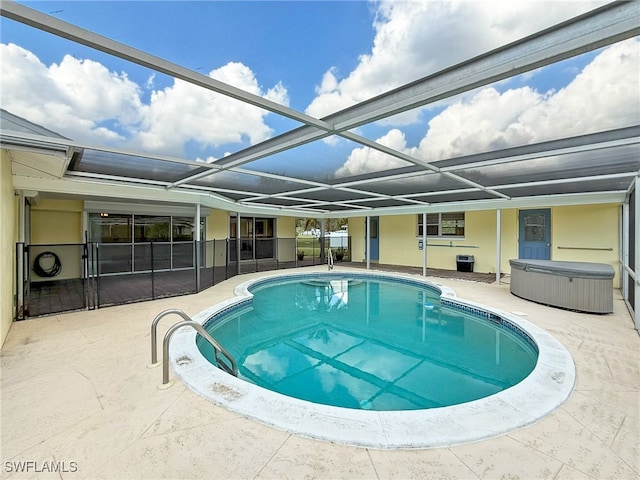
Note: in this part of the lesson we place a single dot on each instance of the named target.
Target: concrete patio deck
(78, 401)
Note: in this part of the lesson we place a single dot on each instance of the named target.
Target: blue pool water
(368, 343)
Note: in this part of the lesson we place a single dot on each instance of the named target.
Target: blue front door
(375, 245)
(535, 234)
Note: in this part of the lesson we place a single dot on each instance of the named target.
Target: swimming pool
(368, 343)
(543, 390)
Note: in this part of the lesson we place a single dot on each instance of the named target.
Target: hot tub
(582, 286)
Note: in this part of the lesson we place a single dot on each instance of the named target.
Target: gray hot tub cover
(565, 269)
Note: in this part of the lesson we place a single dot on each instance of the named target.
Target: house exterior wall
(286, 227)
(58, 222)
(286, 238)
(8, 239)
(509, 240)
(217, 225)
(358, 240)
(399, 242)
(589, 233)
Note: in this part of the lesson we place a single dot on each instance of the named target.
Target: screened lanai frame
(566, 166)
(596, 167)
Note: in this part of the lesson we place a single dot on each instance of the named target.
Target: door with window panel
(535, 234)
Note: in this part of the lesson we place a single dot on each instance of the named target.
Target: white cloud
(365, 159)
(417, 38)
(72, 97)
(605, 95)
(83, 100)
(487, 120)
(184, 112)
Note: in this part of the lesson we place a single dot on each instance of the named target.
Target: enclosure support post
(322, 236)
(424, 244)
(498, 245)
(636, 246)
(368, 241)
(197, 246)
(624, 250)
(238, 244)
(20, 264)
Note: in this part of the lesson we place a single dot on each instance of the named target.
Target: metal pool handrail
(154, 331)
(187, 322)
(330, 260)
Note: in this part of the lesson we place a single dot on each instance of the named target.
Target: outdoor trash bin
(465, 263)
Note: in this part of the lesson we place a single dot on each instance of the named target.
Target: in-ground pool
(368, 343)
(395, 352)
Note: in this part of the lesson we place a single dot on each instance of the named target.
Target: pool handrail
(233, 369)
(187, 322)
(154, 331)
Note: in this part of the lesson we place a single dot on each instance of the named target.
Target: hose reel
(47, 265)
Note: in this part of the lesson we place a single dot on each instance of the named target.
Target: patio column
(20, 266)
(424, 244)
(498, 245)
(238, 245)
(636, 246)
(322, 235)
(198, 247)
(368, 241)
(624, 250)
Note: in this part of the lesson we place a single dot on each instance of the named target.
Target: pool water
(370, 344)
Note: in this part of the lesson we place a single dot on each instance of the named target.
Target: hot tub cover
(565, 269)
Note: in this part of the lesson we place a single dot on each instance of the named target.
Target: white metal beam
(604, 26)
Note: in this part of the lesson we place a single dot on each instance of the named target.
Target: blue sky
(292, 42)
(316, 57)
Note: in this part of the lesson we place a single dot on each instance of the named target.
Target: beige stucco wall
(588, 233)
(8, 238)
(587, 227)
(286, 227)
(399, 241)
(56, 221)
(217, 225)
(357, 234)
(509, 243)
(57, 225)
(217, 229)
(286, 233)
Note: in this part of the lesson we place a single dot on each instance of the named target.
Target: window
(110, 228)
(449, 224)
(126, 241)
(534, 227)
(149, 228)
(256, 237)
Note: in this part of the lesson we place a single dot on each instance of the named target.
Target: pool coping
(547, 387)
